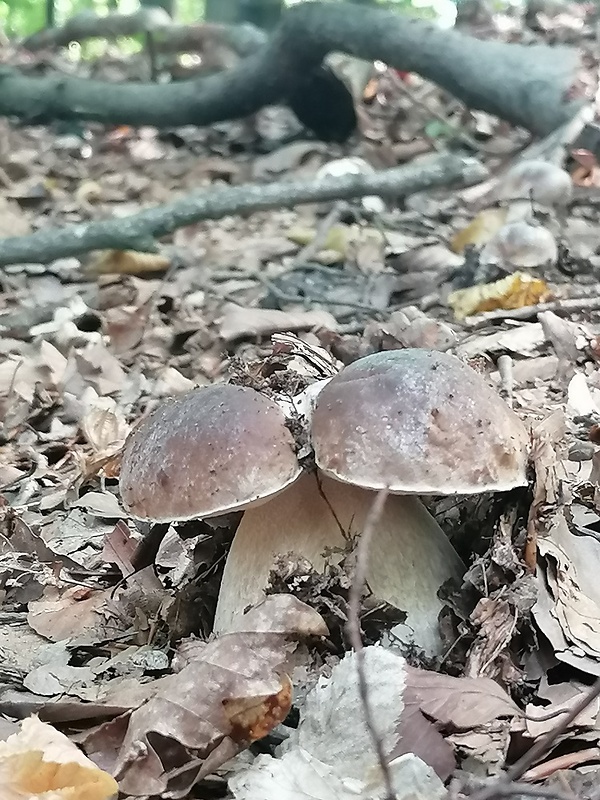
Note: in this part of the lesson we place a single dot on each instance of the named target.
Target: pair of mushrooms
(415, 422)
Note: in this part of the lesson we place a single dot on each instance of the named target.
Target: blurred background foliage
(20, 18)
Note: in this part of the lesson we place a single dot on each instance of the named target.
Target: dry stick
(140, 231)
(353, 627)
(571, 304)
(540, 748)
(513, 789)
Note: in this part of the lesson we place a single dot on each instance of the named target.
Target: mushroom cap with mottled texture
(215, 450)
(420, 422)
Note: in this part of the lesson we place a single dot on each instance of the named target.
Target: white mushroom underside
(409, 558)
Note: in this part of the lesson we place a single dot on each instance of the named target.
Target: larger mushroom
(414, 422)
(213, 451)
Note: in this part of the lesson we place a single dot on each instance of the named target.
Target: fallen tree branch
(530, 86)
(170, 36)
(140, 231)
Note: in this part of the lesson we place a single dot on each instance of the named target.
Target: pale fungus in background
(538, 181)
(519, 245)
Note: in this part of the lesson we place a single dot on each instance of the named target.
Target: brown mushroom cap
(420, 422)
(215, 450)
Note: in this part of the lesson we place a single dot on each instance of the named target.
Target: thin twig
(307, 300)
(354, 632)
(525, 312)
(544, 744)
(501, 786)
(319, 240)
(515, 788)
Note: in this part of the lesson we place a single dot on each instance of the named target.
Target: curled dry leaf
(229, 693)
(514, 291)
(105, 428)
(128, 262)
(331, 755)
(238, 322)
(38, 761)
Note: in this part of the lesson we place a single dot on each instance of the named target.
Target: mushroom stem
(409, 559)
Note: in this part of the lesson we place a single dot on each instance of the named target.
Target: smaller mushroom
(519, 245)
(540, 181)
(212, 451)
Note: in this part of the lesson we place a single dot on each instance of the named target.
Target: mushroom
(520, 244)
(540, 181)
(212, 451)
(413, 422)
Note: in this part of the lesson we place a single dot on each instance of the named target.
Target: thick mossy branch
(140, 231)
(527, 86)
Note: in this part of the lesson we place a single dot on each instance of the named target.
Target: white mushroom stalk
(409, 559)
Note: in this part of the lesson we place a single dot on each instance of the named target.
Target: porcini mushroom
(212, 451)
(413, 422)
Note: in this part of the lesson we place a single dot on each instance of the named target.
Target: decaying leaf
(514, 291)
(40, 762)
(238, 322)
(105, 428)
(570, 569)
(330, 759)
(460, 702)
(337, 237)
(479, 232)
(128, 262)
(230, 692)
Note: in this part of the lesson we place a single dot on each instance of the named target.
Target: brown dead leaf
(128, 262)
(104, 426)
(238, 322)
(125, 326)
(479, 232)
(77, 611)
(514, 291)
(94, 366)
(460, 703)
(229, 692)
